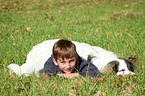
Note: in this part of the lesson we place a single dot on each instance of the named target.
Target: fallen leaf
(28, 12)
(62, 2)
(127, 75)
(59, 11)
(143, 89)
(44, 75)
(20, 89)
(48, 18)
(122, 30)
(14, 30)
(121, 78)
(28, 29)
(117, 84)
(127, 29)
(130, 35)
(126, 85)
(72, 93)
(100, 93)
(132, 58)
(126, 5)
(15, 4)
(3, 7)
(100, 80)
(24, 55)
(14, 44)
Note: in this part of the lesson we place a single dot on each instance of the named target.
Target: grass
(115, 25)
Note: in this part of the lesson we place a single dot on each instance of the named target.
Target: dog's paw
(125, 73)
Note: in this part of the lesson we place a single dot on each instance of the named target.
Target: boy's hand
(71, 75)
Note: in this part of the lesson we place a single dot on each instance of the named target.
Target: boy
(65, 62)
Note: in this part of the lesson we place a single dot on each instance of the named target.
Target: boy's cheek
(73, 65)
(61, 66)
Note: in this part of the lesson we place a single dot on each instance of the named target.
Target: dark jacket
(83, 67)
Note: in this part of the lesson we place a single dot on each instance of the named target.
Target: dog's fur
(105, 61)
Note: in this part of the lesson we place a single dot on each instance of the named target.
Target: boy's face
(66, 65)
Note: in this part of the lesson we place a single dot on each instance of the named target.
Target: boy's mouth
(68, 70)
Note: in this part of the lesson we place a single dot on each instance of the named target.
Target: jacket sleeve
(89, 69)
(49, 68)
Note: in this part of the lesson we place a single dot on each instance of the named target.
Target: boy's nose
(68, 65)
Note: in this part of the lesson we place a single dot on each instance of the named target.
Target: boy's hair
(64, 48)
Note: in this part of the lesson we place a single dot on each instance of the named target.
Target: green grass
(115, 25)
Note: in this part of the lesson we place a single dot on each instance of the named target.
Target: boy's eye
(72, 61)
(62, 62)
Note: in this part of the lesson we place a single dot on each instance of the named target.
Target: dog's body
(104, 60)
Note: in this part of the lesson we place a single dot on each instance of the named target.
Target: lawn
(115, 25)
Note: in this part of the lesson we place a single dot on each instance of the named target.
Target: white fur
(40, 53)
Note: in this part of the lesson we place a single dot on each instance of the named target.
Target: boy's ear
(55, 62)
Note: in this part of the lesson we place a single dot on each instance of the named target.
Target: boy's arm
(49, 68)
(71, 75)
(89, 69)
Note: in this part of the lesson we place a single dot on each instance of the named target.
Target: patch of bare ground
(118, 15)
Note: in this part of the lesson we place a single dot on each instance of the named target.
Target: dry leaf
(122, 30)
(132, 58)
(59, 11)
(24, 55)
(100, 93)
(126, 85)
(100, 80)
(20, 89)
(3, 7)
(130, 35)
(28, 12)
(121, 78)
(72, 93)
(14, 30)
(44, 75)
(117, 84)
(48, 18)
(28, 29)
(127, 29)
(126, 5)
(127, 75)
(62, 2)
(14, 44)
(143, 89)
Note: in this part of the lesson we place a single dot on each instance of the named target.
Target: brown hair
(64, 48)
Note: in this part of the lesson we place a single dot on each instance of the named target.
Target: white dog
(104, 60)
